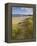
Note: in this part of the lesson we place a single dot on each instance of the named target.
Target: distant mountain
(15, 15)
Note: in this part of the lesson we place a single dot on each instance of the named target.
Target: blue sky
(22, 10)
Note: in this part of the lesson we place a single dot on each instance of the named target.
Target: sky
(22, 10)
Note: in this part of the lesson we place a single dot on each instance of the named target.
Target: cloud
(22, 10)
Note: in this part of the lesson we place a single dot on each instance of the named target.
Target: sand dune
(17, 19)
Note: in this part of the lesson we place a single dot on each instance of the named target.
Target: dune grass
(23, 33)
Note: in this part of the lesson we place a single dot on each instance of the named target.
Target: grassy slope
(22, 34)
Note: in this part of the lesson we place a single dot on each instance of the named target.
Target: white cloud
(22, 8)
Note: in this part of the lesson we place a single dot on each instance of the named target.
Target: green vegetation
(23, 30)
